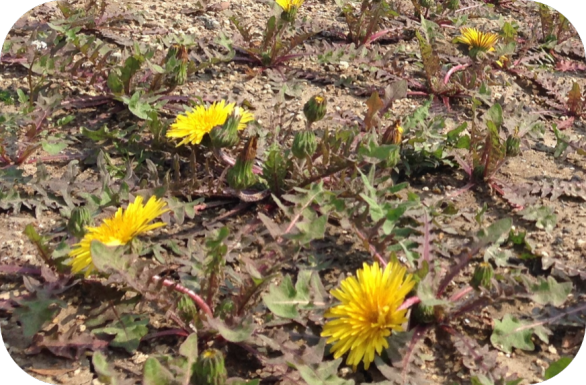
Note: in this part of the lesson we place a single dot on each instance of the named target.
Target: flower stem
(452, 70)
(409, 302)
(182, 289)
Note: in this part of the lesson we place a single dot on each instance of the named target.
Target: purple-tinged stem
(371, 248)
(462, 293)
(409, 302)
(452, 70)
(182, 289)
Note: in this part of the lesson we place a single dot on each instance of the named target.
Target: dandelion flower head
(122, 228)
(192, 126)
(368, 312)
(475, 39)
(287, 5)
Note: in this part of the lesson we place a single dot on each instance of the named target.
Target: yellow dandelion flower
(195, 124)
(368, 312)
(117, 231)
(287, 5)
(475, 39)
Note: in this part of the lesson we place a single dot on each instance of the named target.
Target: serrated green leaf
(557, 367)
(312, 229)
(105, 371)
(128, 332)
(114, 83)
(513, 333)
(53, 148)
(109, 260)
(284, 300)
(427, 295)
(543, 216)
(188, 348)
(510, 333)
(550, 292)
(495, 231)
(239, 333)
(156, 374)
(481, 380)
(34, 314)
(325, 373)
(463, 142)
(102, 133)
(495, 114)
(454, 134)
(562, 142)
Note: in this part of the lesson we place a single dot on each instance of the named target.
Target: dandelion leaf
(285, 300)
(324, 373)
(511, 333)
(430, 59)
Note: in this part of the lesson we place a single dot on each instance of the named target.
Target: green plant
(364, 27)
(277, 45)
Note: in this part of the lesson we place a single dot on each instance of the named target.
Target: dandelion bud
(275, 169)
(227, 134)
(209, 368)
(290, 8)
(265, 58)
(315, 109)
(304, 144)
(424, 314)
(80, 218)
(289, 15)
(482, 276)
(478, 172)
(240, 176)
(513, 145)
(176, 62)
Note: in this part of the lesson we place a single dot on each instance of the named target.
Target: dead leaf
(374, 103)
(51, 372)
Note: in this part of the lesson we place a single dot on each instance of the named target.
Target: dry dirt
(564, 247)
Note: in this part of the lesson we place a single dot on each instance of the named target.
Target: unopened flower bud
(424, 314)
(275, 169)
(227, 134)
(209, 368)
(482, 276)
(80, 218)
(241, 176)
(304, 144)
(176, 62)
(290, 15)
(478, 172)
(315, 109)
(513, 144)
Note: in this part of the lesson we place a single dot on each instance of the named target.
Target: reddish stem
(182, 289)
(164, 333)
(409, 302)
(371, 248)
(462, 293)
(452, 70)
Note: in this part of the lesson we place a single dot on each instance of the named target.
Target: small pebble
(552, 349)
